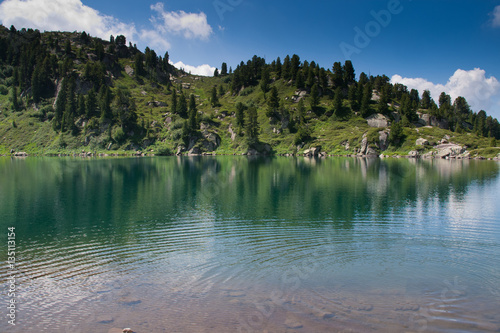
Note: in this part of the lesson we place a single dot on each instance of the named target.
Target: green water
(228, 244)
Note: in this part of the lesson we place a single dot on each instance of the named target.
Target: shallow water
(235, 244)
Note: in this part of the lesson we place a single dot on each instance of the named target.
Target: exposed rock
(421, 142)
(212, 141)
(129, 70)
(364, 144)
(299, 94)
(377, 120)
(233, 133)
(180, 149)
(186, 86)
(314, 151)
(195, 151)
(20, 154)
(371, 152)
(383, 140)
(413, 154)
(449, 150)
(156, 104)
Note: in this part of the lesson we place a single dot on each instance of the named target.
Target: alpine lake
(241, 244)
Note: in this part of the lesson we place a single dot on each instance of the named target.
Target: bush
(177, 124)
(3, 90)
(119, 135)
(164, 151)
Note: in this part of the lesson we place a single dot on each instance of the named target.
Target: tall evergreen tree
(252, 125)
(240, 115)
(90, 104)
(337, 103)
(338, 74)
(278, 68)
(349, 74)
(13, 99)
(173, 103)
(365, 102)
(425, 103)
(214, 100)
(314, 97)
(193, 114)
(182, 105)
(353, 97)
(223, 70)
(273, 102)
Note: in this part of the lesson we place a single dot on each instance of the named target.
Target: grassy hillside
(46, 80)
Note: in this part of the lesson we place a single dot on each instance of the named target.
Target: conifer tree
(240, 115)
(173, 104)
(214, 100)
(182, 105)
(193, 114)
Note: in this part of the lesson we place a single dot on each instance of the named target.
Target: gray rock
(377, 120)
(421, 142)
(364, 144)
(413, 154)
(383, 140)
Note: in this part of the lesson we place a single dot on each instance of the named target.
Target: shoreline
(309, 155)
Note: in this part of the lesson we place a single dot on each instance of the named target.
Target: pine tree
(365, 102)
(337, 103)
(13, 99)
(173, 104)
(252, 125)
(426, 100)
(182, 105)
(264, 81)
(338, 74)
(193, 114)
(301, 112)
(273, 102)
(314, 97)
(216, 72)
(223, 70)
(240, 115)
(278, 68)
(353, 97)
(214, 100)
(349, 75)
(90, 104)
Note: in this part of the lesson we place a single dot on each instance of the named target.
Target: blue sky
(448, 45)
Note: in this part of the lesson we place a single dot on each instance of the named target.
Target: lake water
(232, 244)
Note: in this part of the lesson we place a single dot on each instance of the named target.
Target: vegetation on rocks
(63, 92)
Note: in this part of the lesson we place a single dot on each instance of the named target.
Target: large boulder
(421, 142)
(383, 140)
(313, 151)
(377, 120)
(364, 144)
(449, 150)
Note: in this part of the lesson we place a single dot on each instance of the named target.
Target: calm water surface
(232, 244)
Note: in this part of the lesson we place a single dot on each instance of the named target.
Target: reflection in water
(227, 243)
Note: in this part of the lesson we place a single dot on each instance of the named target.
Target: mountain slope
(64, 92)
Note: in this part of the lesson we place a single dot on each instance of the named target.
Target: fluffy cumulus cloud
(205, 70)
(190, 25)
(481, 92)
(496, 17)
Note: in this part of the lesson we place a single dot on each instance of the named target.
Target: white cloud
(204, 70)
(481, 92)
(189, 24)
(496, 17)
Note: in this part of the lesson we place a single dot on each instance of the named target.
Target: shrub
(119, 135)
(164, 151)
(3, 90)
